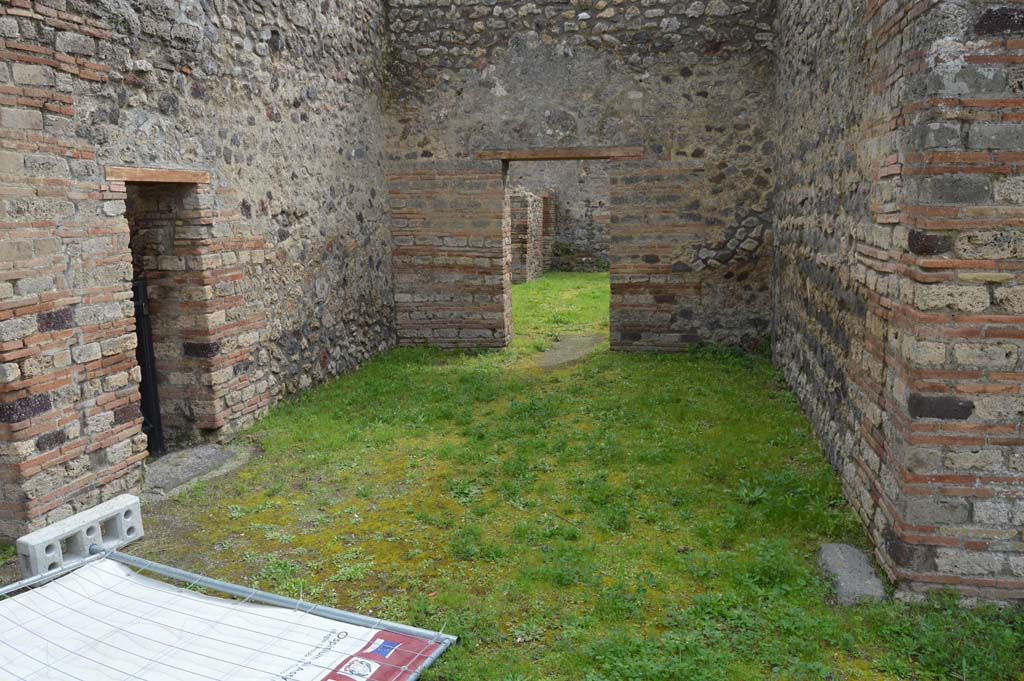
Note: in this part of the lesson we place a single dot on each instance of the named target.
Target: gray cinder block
(111, 525)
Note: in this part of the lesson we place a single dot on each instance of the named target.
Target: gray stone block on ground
(171, 472)
(852, 574)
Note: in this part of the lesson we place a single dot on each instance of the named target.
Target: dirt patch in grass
(569, 350)
(630, 516)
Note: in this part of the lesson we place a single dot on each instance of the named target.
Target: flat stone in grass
(568, 350)
(173, 472)
(851, 573)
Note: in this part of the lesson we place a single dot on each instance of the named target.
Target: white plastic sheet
(105, 622)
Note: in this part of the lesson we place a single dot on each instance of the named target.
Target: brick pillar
(527, 237)
(452, 256)
(69, 424)
(956, 341)
(897, 259)
(677, 279)
(519, 218)
(547, 230)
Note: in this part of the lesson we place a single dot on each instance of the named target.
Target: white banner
(105, 622)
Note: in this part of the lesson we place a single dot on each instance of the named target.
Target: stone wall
(453, 253)
(679, 77)
(526, 217)
(832, 205)
(438, 45)
(581, 194)
(291, 224)
(896, 273)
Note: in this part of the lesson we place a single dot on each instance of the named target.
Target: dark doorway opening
(160, 215)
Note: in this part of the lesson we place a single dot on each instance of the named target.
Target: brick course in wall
(69, 432)
(828, 334)
(957, 326)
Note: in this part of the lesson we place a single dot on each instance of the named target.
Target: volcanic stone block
(24, 408)
(939, 407)
(1000, 20)
(925, 243)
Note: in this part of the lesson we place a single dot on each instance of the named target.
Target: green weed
(941, 640)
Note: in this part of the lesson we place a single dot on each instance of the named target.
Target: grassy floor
(632, 516)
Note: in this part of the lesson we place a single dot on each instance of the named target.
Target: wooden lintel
(129, 174)
(564, 154)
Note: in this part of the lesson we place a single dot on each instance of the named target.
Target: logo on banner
(359, 669)
(383, 647)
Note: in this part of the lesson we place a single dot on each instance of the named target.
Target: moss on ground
(632, 516)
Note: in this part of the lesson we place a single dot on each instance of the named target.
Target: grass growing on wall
(629, 517)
